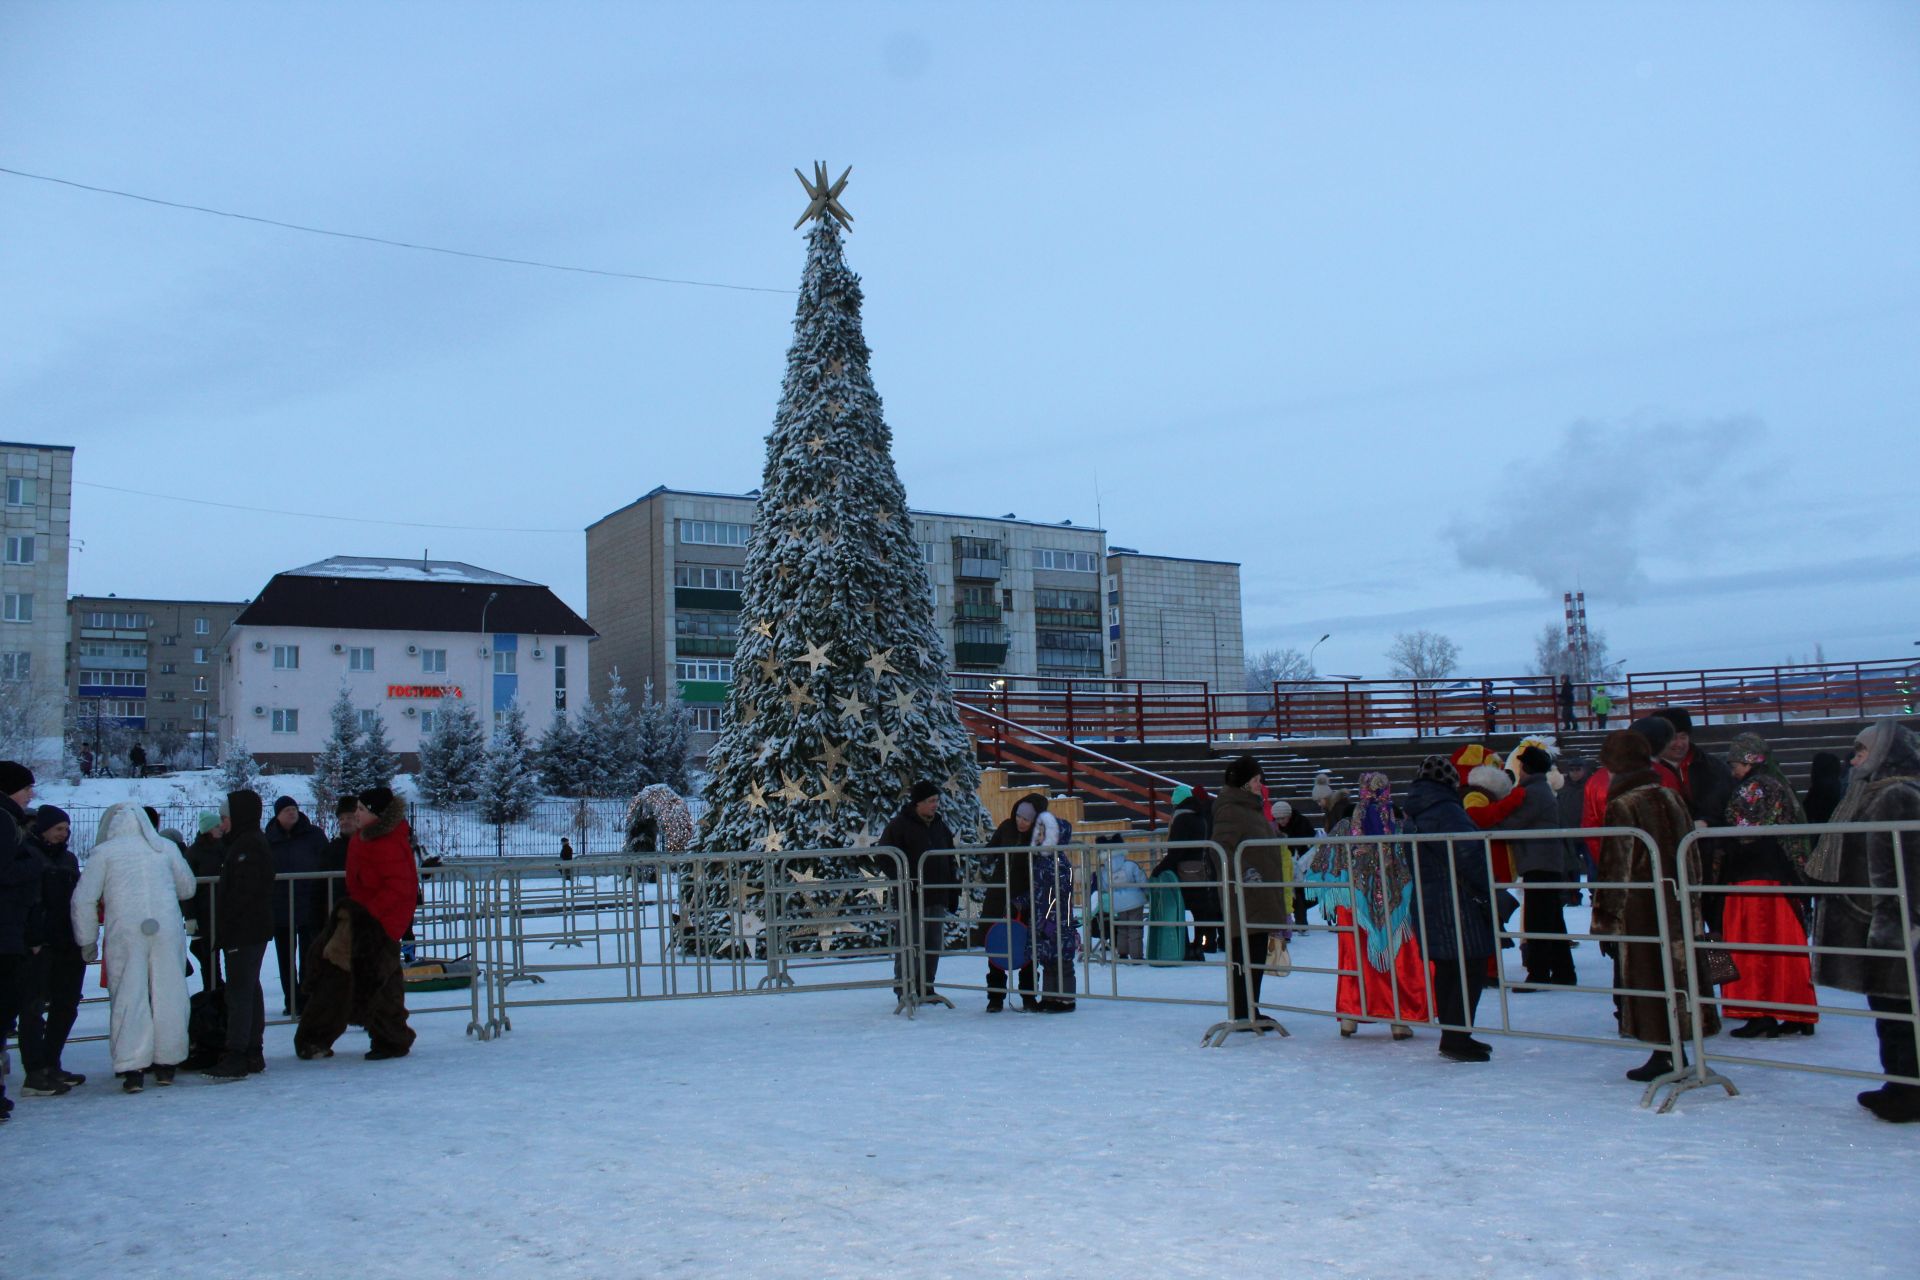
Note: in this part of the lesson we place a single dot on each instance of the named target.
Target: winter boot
(307, 1052)
(1796, 1028)
(1657, 1065)
(256, 1062)
(1459, 1048)
(1401, 1031)
(230, 1067)
(132, 1081)
(44, 1084)
(1894, 1103)
(381, 1052)
(1348, 1026)
(71, 1077)
(996, 1003)
(1755, 1029)
(162, 1076)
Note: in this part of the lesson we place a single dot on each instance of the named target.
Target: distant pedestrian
(204, 858)
(1545, 862)
(137, 881)
(137, 760)
(1199, 872)
(20, 876)
(933, 882)
(1567, 719)
(566, 855)
(1009, 903)
(1490, 710)
(1601, 704)
(243, 909)
(1453, 886)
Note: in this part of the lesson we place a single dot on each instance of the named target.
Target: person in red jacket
(360, 978)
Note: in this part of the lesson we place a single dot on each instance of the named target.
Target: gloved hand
(90, 953)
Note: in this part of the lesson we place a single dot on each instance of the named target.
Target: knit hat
(1182, 794)
(1241, 771)
(47, 817)
(1677, 717)
(1438, 769)
(207, 821)
(14, 776)
(1282, 811)
(284, 802)
(1748, 748)
(376, 799)
(1025, 810)
(922, 790)
(1657, 730)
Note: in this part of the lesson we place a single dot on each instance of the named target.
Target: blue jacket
(1119, 876)
(1433, 808)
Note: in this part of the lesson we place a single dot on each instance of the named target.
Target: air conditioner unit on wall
(339, 648)
(411, 712)
(413, 651)
(259, 646)
(259, 711)
(539, 654)
(485, 652)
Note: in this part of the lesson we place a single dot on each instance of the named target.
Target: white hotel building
(405, 638)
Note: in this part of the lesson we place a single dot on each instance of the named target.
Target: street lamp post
(1316, 648)
(486, 675)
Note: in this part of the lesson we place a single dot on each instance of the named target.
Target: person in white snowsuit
(142, 879)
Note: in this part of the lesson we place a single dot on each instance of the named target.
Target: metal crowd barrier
(1825, 897)
(680, 926)
(1081, 909)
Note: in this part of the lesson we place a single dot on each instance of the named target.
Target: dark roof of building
(371, 594)
(1114, 552)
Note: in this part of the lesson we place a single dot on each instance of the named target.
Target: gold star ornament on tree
(824, 197)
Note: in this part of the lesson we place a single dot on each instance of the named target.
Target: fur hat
(1628, 750)
(1439, 769)
(1241, 771)
(1657, 730)
(1678, 717)
(376, 799)
(1492, 779)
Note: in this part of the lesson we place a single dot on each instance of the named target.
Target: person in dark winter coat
(1567, 720)
(1238, 822)
(243, 924)
(298, 905)
(1542, 861)
(1009, 899)
(20, 876)
(933, 877)
(1885, 788)
(1641, 800)
(1826, 786)
(58, 971)
(1706, 784)
(358, 977)
(204, 857)
(1199, 872)
(1452, 884)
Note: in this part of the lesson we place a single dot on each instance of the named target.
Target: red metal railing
(1147, 710)
(1077, 769)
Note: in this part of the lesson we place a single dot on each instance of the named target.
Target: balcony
(977, 569)
(976, 611)
(110, 662)
(703, 691)
(704, 646)
(1069, 621)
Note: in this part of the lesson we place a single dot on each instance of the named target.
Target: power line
(383, 240)
(313, 515)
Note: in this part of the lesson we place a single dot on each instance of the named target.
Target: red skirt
(1777, 976)
(1407, 985)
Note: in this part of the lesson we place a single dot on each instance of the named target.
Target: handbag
(1716, 968)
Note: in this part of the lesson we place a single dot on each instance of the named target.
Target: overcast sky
(1424, 313)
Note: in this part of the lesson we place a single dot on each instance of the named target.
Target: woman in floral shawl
(1763, 798)
(1369, 890)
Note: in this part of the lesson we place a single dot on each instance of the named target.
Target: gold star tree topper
(824, 197)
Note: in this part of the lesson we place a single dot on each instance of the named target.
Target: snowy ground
(817, 1134)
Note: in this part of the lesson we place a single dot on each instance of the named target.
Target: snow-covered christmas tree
(374, 762)
(336, 764)
(453, 757)
(510, 783)
(840, 700)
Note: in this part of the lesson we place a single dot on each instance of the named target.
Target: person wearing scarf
(1763, 798)
(1638, 797)
(1369, 890)
(1885, 788)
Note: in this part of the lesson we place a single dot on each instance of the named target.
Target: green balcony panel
(704, 646)
(706, 598)
(705, 691)
(979, 655)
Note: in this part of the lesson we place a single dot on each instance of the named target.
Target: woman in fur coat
(1637, 798)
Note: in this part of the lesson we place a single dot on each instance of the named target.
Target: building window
(16, 666)
(121, 709)
(426, 722)
(286, 657)
(559, 677)
(1069, 561)
(433, 662)
(113, 679)
(167, 695)
(709, 577)
(360, 659)
(19, 606)
(367, 720)
(286, 720)
(926, 552)
(19, 549)
(199, 711)
(199, 684)
(99, 649)
(22, 491)
(200, 657)
(706, 719)
(703, 671)
(168, 641)
(713, 533)
(202, 627)
(169, 668)
(503, 662)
